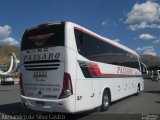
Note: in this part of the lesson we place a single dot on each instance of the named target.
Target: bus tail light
(67, 86)
(21, 85)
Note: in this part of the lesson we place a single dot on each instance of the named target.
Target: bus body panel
(61, 105)
(53, 83)
(45, 83)
(88, 78)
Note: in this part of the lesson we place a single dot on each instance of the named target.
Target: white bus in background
(155, 75)
(158, 74)
(67, 68)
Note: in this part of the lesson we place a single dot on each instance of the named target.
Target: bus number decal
(40, 75)
(124, 70)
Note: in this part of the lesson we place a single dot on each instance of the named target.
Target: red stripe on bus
(94, 69)
(120, 75)
(96, 72)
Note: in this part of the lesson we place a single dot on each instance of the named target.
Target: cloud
(144, 15)
(5, 32)
(146, 37)
(146, 50)
(116, 40)
(148, 12)
(108, 22)
(157, 41)
(10, 41)
(143, 25)
(105, 23)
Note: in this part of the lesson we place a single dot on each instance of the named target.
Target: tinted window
(96, 50)
(155, 73)
(43, 36)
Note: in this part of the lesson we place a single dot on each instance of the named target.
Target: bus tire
(105, 101)
(138, 89)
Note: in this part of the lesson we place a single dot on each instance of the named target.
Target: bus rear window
(43, 36)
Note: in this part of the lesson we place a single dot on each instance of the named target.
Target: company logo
(44, 56)
(40, 39)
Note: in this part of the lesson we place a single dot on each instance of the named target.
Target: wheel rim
(105, 100)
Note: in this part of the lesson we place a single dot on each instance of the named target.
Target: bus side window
(81, 38)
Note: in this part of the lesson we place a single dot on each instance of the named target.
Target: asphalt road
(145, 106)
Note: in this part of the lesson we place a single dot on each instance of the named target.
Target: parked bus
(68, 68)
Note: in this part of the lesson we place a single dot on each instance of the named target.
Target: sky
(133, 23)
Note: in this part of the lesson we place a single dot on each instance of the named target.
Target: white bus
(155, 75)
(67, 68)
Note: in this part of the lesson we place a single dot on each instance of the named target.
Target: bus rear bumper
(60, 105)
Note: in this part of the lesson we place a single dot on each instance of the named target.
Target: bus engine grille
(42, 65)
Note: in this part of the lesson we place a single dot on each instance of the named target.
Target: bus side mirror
(143, 69)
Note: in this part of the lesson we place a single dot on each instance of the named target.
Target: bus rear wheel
(138, 89)
(105, 101)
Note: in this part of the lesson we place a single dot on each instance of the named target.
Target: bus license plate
(39, 103)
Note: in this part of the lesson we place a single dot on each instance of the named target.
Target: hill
(150, 60)
(6, 51)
